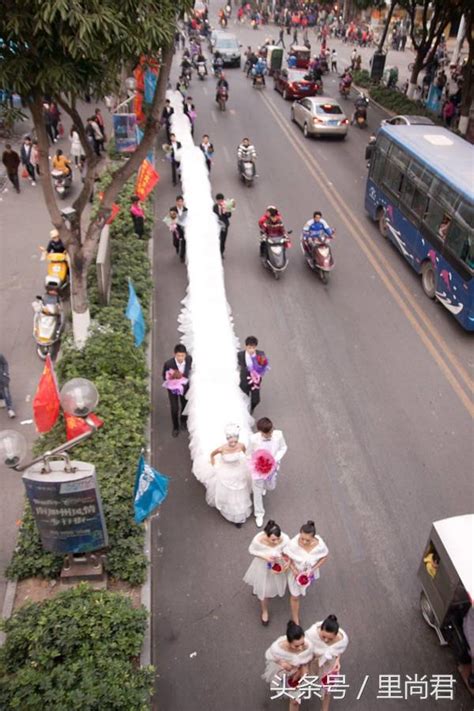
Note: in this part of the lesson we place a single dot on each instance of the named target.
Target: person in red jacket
(271, 225)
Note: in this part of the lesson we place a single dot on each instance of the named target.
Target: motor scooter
(47, 324)
(360, 111)
(57, 277)
(201, 70)
(62, 182)
(344, 89)
(222, 96)
(247, 171)
(273, 252)
(258, 81)
(318, 254)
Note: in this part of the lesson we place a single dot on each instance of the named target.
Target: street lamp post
(63, 494)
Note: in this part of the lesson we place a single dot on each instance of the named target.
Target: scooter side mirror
(289, 232)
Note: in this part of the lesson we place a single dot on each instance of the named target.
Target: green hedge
(119, 370)
(398, 103)
(361, 78)
(76, 651)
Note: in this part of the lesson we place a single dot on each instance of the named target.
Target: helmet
(54, 233)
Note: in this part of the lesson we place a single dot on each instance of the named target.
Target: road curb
(8, 603)
(366, 91)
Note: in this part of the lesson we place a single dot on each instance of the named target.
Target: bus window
(377, 166)
(414, 198)
(393, 177)
(460, 243)
(434, 217)
(431, 561)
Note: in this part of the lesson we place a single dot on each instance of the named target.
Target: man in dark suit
(181, 362)
(244, 359)
(175, 152)
(223, 217)
(166, 115)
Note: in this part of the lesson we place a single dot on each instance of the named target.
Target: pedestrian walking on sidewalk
(307, 553)
(176, 372)
(5, 394)
(11, 161)
(267, 572)
(26, 156)
(333, 60)
(281, 37)
(208, 149)
(76, 146)
(272, 441)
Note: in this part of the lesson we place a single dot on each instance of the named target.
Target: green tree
(67, 49)
(427, 31)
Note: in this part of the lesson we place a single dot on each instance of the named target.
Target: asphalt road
(368, 385)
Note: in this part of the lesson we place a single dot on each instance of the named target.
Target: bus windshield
(420, 191)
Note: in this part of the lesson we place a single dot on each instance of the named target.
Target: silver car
(320, 116)
(407, 121)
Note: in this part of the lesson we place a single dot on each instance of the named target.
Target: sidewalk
(24, 225)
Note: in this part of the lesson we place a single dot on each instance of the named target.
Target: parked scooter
(62, 182)
(47, 323)
(222, 96)
(318, 255)
(57, 277)
(273, 253)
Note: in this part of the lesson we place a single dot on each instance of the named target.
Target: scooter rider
(186, 67)
(201, 60)
(316, 228)
(259, 70)
(360, 107)
(217, 63)
(271, 225)
(246, 153)
(222, 84)
(55, 244)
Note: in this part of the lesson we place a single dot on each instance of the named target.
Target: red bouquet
(304, 579)
(262, 464)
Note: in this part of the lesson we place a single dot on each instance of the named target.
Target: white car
(407, 121)
(320, 116)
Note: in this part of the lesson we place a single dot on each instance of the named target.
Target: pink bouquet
(304, 579)
(260, 366)
(175, 381)
(262, 464)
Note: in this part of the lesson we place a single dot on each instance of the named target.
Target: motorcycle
(318, 255)
(360, 112)
(273, 252)
(62, 182)
(47, 324)
(222, 96)
(247, 171)
(258, 81)
(201, 70)
(344, 89)
(57, 276)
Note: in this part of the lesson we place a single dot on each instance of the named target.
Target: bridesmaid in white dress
(267, 572)
(287, 661)
(307, 553)
(329, 641)
(230, 489)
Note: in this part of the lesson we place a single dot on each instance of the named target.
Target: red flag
(147, 178)
(76, 426)
(115, 209)
(46, 399)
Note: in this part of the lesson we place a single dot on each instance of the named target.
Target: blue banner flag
(150, 155)
(135, 314)
(151, 488)
(150, 85)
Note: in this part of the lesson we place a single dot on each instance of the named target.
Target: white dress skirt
(278, 677)
(229, 490)
(303, 560)
(265, 582)
(325, 655)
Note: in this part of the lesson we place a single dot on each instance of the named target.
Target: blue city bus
(420, 190)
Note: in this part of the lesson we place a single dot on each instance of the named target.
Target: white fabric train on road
(214, 396)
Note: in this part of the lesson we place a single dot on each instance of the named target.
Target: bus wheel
(428, 280)
(383, 228)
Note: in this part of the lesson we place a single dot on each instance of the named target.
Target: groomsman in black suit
(181, 362)
(244, 359)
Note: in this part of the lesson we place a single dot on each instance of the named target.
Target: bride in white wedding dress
(229, 490)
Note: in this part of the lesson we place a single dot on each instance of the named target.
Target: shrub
(76, 651)
(119, 371)
(361, 78)
(398, 103)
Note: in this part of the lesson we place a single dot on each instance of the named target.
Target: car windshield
(328, 109)
(227, 43)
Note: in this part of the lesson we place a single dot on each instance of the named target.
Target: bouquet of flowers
(175, 381)
(304, 579)
(262, 464)
(260, 366)
(277, 565)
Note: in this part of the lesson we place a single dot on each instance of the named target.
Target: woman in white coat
(267, 572)
(287, 661)
(76, 147)
(307, 553)
(329, 642)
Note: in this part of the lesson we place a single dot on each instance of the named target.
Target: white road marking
(204, 90)
(226, 153)
(232, 111)
(214, 117)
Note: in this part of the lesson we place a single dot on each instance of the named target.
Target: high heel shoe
(264, 622)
